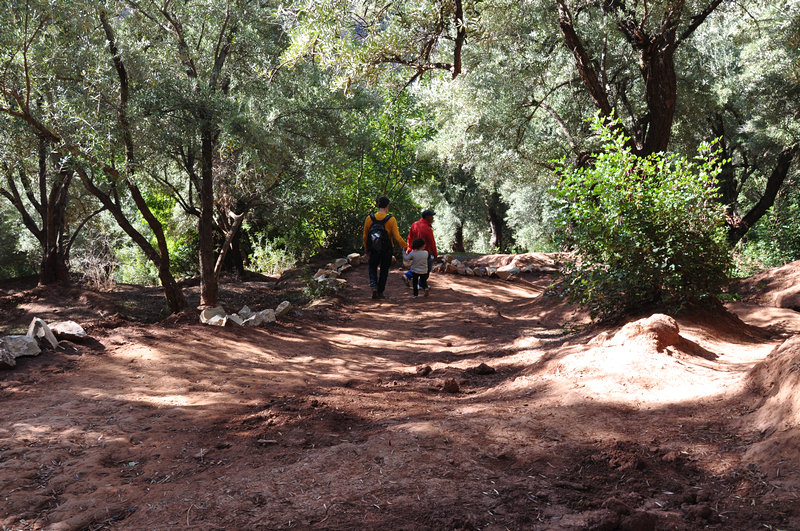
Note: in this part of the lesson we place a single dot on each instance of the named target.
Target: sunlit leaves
(644, 230)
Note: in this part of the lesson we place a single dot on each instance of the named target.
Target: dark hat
(427, 212)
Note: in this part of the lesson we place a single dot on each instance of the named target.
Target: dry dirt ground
(488, 405)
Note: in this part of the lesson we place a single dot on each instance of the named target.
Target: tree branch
(698, 19)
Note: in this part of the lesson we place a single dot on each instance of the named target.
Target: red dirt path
(327, 420)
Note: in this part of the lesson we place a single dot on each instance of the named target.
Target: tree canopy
(201, 128)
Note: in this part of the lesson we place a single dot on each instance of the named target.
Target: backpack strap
(381, 221)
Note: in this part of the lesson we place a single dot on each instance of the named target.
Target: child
(419, 266)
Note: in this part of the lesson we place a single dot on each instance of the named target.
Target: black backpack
(378, 237)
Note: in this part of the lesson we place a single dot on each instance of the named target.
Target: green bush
(269, 258)
(134, 267)
(644, 231)
(14, 262)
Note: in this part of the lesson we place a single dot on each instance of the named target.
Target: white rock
(267, 316)
(68, 330)
(448, 258)
(254, 320)
(245, 312)
(38, 328)
(346, 267)
(321, 273)
(235, 319)
(469, 272)
(20, 345)
(507, 272)
(333, 274)
(461, 269)
(491, 271)
(7, 360)
(282, 308)
(340, 262)
(336, 283)
(209, 313)
(217, 320)
(354, 259)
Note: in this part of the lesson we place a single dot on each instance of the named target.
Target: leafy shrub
(134, 267)
(14, 262)
(645, 230)
(269, 258)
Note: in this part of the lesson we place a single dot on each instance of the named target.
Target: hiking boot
(374, 294)
(407, 281)
(380, 296)
(413, 296)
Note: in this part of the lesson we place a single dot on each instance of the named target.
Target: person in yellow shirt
(380, 231)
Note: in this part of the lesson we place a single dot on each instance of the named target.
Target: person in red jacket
(422, 229)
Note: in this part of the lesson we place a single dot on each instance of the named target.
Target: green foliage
(270, 257)
(313, 290)
(13, 261)
(179, 231)
(645, 230)
(306, 163)
(135, 268)
(774, 242)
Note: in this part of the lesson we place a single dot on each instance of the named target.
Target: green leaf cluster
(644, 231)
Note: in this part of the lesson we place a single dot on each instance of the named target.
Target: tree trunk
(739, 227)
(656, 55)
(657, 66)
(728, 188)
(237, 255)
(661, 90)
(496, 221)
(172, 291)
(175, 299)
(231, 229)
(53, 269)
(209, 286)
(52, 208)
(458, 242)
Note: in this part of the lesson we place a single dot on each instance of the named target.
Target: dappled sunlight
(423, 428)
(498, 394)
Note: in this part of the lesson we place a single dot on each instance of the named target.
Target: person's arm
(430, 242)
(367, 225)
(394, 232)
